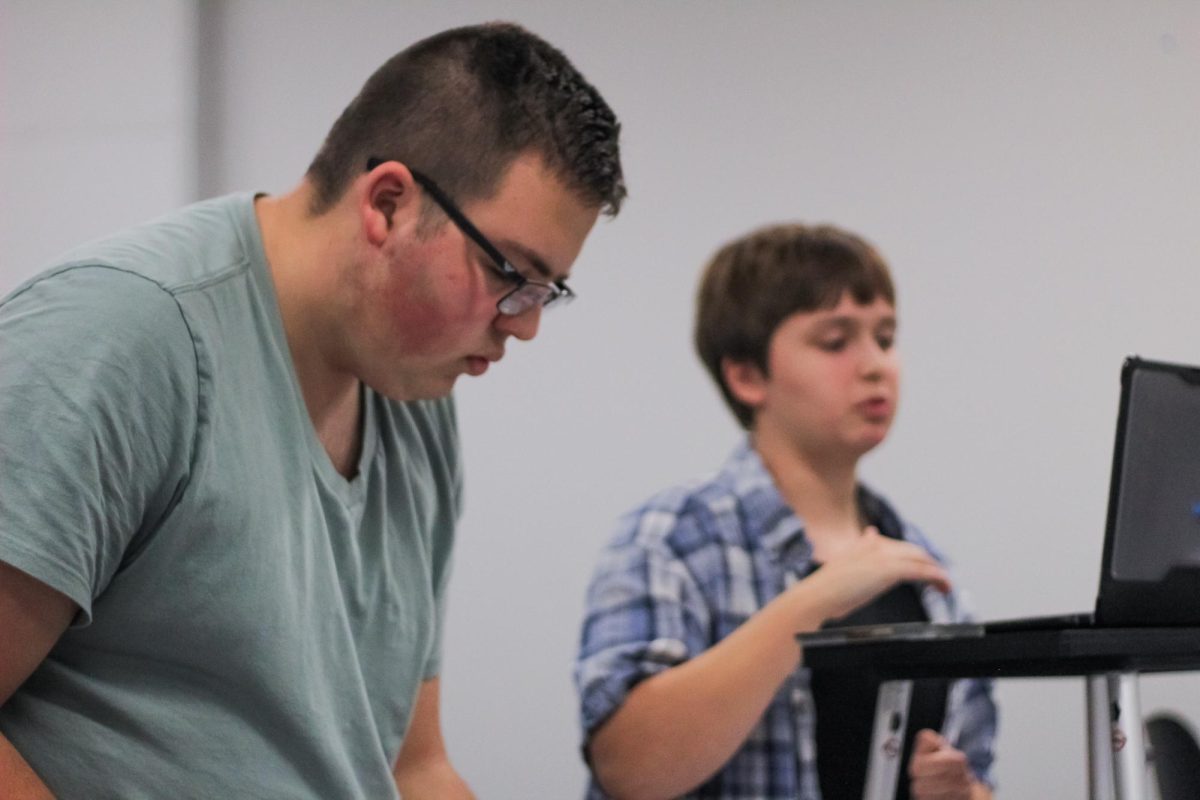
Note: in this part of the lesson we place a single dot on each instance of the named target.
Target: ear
(388, 199)
(745, 381)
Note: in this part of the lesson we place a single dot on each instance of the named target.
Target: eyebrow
(534, 260)
(846, 321)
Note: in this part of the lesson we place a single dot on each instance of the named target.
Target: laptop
(1150, 571)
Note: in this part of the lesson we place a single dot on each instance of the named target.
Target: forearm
(422, 769)
(437, 781)
(19, 780)
(677, 728)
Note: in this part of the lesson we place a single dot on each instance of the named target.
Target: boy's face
(833, 380)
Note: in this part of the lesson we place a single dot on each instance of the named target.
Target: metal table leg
(1128, 740)
(887, 739)
(1099, 722)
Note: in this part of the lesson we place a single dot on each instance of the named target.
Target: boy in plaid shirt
(689, 673)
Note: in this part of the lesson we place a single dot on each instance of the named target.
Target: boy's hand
(937, 771)
(873, 565)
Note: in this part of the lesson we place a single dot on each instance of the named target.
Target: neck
(303, 257)
(822, 492)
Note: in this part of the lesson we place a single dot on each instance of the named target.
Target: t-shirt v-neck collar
(350, 490)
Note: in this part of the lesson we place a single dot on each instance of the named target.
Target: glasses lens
(526, 297)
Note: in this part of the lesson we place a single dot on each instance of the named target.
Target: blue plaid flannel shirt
(688, 568)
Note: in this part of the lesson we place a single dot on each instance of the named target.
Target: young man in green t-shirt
(229, 467)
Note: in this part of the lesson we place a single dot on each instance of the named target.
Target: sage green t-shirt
(252, 624)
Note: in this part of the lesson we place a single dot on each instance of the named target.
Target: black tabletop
(1014, 654)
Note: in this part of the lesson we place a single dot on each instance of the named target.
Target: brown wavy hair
(752, 284)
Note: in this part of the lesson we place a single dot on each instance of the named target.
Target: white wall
(1031, 170)
(96, 122)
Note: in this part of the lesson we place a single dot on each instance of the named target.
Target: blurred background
(1030, 169)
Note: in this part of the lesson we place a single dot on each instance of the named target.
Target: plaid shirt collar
(768, 518)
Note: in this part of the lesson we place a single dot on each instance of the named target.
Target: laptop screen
(1157, 511)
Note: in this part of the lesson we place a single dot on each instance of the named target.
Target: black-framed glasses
(525, 293)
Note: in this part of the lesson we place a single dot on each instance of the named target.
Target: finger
(924, 746)
(943, 775)
(928, 741)
(938, 579)
(924, 793)
(908, 562)
(933, 776)
(909, 551)
(954, 784)
(926, 570)
(949, 794)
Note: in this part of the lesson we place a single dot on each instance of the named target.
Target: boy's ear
(388, 195)
(745, 381)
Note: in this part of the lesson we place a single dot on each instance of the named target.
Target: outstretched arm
(677, 728)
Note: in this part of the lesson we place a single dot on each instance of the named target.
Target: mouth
(477, 365)
(876, 409)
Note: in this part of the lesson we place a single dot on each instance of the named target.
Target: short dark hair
(752, 284)
(460, 105)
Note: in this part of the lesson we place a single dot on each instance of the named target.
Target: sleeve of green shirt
(98, 415)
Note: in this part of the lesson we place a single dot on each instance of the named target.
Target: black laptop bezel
(1130, 603)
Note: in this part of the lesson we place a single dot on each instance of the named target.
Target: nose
(874, 360)
(523, 326)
